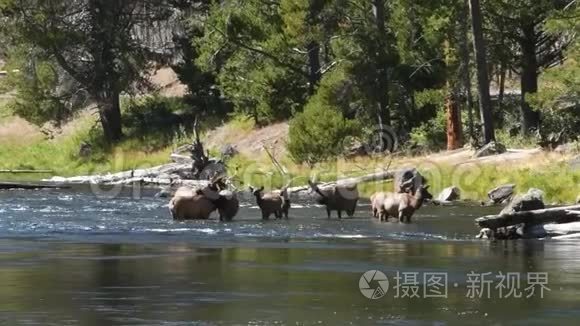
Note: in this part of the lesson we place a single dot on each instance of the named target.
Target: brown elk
(337, 198)
(403, 205)
(270, 203)
(190, 203)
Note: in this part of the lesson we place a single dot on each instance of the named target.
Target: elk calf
(270, 203)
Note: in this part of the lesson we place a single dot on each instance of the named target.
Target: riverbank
(551, 171)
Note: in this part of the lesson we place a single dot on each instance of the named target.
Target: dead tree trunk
(539, 216)
(482, 76)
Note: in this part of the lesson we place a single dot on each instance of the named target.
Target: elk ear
(261, 189)
(251, 188)
(426, 187)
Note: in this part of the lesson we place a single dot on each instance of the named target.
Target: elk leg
(328, 212)
(339, 214)
(401, 217)
(265, 216)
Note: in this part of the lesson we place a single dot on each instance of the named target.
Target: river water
(71, 258)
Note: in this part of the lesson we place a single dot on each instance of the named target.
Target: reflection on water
(81, 261)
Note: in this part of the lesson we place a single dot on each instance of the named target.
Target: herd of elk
(189, 203)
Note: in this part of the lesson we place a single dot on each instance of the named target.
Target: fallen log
(158, 172)
(377, 176)
(181, 159)
(567, 236)
(540, 216)
(562, 229)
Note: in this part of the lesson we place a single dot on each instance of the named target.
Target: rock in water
(449, 194)
(164, 193)
(502, 193)
(532, 200)
(491, 148)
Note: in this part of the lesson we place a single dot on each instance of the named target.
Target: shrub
(318, 133)
(431, 134)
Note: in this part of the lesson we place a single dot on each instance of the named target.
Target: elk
(226, 201)
(404, 205)
(378, 198)
(269, 203)
(377, 201)
(190, 203)
(337, 198)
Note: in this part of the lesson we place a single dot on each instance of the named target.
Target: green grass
(558, 180)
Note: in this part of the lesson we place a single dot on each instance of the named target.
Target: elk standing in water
(337, 198)
(404, 205)
(270, 203)
(188, 203)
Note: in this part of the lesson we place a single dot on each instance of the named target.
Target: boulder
(401, 177)
(449, 194)
(531, 200)
(228, 151)
(164, 193)
(85, 150)
(502, 193)
(491, 148)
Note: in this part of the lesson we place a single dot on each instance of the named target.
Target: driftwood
(162, 172)
(377, 176)
(275, 161)
(541, 216)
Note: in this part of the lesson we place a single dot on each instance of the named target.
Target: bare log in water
(541, 216)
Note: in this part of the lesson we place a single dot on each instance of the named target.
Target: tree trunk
(482, 77)
(529, 79)
(110, 116)
(500, 96)
(454, 128)
(314, 65)
(464, 70)
(453, 115)
(382, 91)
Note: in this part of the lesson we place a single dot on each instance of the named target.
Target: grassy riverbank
(549, 172)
